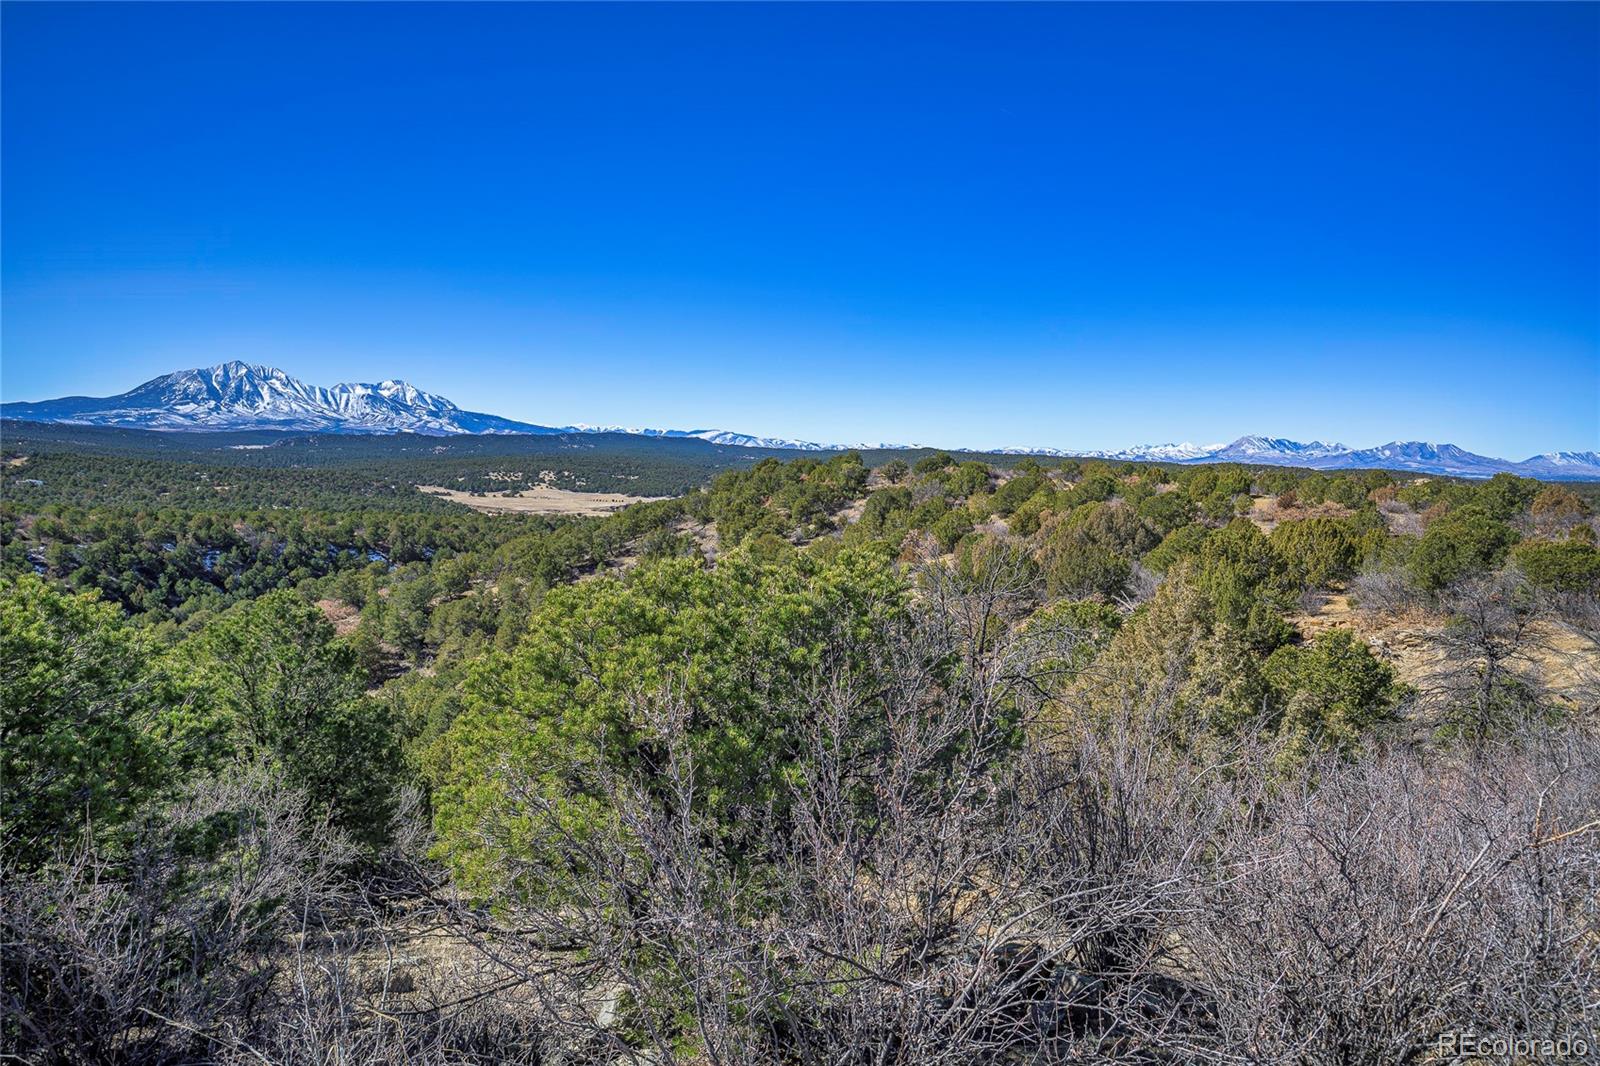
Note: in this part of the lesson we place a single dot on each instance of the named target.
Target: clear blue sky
(1080, 226)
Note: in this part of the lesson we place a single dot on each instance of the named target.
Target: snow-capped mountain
(238, 396)
(242, 396)
(1420, 456)
(1159, 453)
(715, 436)
(1424, 456)
(742, 440)
(1275, 450)
(1554, 466)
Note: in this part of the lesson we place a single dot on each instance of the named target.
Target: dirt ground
(704, 535)
(1266, 514)
(1563, 659)
(344, 617)
(541, 499)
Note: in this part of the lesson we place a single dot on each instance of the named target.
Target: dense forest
(79, 465)
(882, 758)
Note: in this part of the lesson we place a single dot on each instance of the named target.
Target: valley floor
(541, 499)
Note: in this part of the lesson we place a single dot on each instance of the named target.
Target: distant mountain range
(241, 396)
(1397, 455)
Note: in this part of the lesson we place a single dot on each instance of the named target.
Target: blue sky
(1077, 225)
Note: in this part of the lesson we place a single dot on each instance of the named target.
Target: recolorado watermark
(1499, 1047)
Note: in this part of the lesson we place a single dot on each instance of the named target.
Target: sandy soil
(1400, 519)
(542, 499)
(704, 534)
(1564, 660)
(1266, 514)
(344, 617)
(851, 513)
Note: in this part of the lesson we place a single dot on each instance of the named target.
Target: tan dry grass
(1563, 659)
(542, 499)
(344, 616)
(1266, 514)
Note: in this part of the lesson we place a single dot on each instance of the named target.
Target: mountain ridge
(239, 395)
(242, 396)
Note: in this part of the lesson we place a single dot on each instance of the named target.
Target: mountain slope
(1419, 456)
(1159, 453)
(1559, 466)
(238, 395)
(1275, 450)
(242, 396)
(713, 436)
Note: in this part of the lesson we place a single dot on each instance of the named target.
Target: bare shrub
(1375, 908)
(135, 952)
(1384, 590)
(1488, 680)
(1140, 589)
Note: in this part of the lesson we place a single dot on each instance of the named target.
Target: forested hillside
(849, 758)
(143, 468)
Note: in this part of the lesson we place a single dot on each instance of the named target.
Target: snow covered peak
(1420, 456)
(712, 436)
(397, 398)
(1158, 453)
(1569, 458)
(1559, 466)
(1273, 448)
(240, 395)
